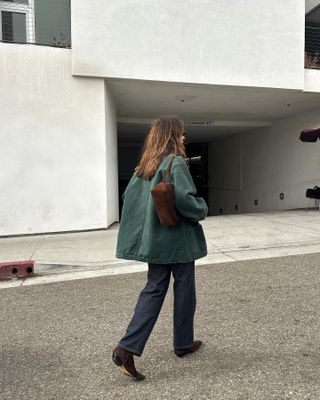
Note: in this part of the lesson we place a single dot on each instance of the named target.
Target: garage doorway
(197, 157)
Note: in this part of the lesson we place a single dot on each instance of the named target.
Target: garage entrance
(197, 154)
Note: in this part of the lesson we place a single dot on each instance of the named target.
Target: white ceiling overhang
(209, 111)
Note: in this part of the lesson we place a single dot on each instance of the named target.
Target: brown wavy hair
(162, 139)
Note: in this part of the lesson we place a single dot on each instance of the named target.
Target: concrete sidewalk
(229, 238)
(258, 319)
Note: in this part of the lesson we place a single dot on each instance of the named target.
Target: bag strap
(167, 170)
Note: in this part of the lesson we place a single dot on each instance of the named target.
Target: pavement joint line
(299, 244)
(227, 255)
(37, 246)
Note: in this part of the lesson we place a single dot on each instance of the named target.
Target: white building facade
(74, 117)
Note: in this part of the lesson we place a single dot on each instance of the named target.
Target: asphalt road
(259, 320)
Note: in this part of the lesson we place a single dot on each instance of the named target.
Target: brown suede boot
(124, 359)
(182, 352)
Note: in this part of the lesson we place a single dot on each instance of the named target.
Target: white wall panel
(52, 143)
(274, 161)
(204, 41)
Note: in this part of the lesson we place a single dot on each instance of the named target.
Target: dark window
(312, 38)
(13, 27)
(52, 22)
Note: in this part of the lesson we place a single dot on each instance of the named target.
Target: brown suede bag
(163, 199)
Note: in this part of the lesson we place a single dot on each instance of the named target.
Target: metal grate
(13, 27)
(312, 39)
(17, 21)
(16, 1)
(42, 22)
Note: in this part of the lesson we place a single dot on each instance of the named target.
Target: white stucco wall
(312, 80)
(52, 143)
(272, 160)
(214, 42)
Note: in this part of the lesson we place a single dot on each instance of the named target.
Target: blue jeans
(150, 302)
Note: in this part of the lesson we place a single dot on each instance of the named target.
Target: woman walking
(166, 249)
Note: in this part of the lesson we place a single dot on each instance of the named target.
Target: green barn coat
(142, 237)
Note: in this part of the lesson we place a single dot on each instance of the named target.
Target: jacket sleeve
(187, 203)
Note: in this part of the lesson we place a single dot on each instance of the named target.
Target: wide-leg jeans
(150, 302)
